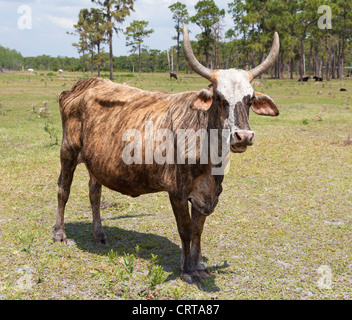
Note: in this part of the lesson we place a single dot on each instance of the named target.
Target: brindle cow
(96, 113)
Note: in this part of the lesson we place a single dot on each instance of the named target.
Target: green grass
(284, 212)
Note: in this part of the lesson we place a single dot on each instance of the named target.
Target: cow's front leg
(94, 197)
(198, 221)
(185, 229)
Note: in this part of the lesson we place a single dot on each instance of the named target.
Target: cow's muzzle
(240, 140)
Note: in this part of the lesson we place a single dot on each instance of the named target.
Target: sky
(36, 27)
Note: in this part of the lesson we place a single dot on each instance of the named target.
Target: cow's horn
(191, 59)
(269, 61)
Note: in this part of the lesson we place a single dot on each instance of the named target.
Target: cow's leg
(94, 197)
(198, 221)
(185, 228)
(68, 166)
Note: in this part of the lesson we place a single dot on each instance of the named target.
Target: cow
(305, 79)
(317, 78)
(173, 75)
(97, 113)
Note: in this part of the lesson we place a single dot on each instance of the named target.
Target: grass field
(282, 228)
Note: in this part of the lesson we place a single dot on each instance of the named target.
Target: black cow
(305, 79)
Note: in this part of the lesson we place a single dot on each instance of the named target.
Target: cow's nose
(243, 138)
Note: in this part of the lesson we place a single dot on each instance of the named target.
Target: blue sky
(52, 19)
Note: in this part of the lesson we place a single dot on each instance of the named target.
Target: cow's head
(232, 92)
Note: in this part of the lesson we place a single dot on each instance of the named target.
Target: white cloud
(63, 23)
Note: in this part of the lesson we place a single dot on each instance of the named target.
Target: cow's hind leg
(95, 198)
(68, 166)
(185, 229)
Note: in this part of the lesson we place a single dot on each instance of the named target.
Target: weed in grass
(44, 112)
(348, 142)
(118, 278)
(319, 118)
(347, 103)
(156, 274)
(53, 132)
(26, 239)
(176, 293)
(137, 250)
(108, 282)
(33, 111)
(112, 255)
(129, 263)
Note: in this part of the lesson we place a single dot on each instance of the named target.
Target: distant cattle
(343, 89)
(173, 75)
(317, 78)
(61, 71)
(31, 70)
(303, 79)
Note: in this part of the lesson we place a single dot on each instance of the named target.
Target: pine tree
(180, 16)
(114, 11)
(136, 32)
(208, 14)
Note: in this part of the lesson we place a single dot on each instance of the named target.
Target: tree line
(315, 38)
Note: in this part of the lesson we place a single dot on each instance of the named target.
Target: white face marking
(233, 84)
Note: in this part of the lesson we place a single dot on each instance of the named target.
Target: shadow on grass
(125, 241)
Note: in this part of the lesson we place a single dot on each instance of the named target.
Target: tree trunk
(342, 52)
(91, 62)
(140, 60)
(84, 63)
(310, 60)
(111, 57)
(178, 53)
(302, 59)
(98, 46)
(341, 57)
(328, 57)
(172, 60)
(328, 68)
(282, 69)
(262, 76)
(333, 65)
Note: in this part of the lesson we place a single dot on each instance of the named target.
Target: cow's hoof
(100, 238)
(205, 273)
(190, 277)
(59, 237)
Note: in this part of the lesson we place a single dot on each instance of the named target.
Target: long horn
(269, 61)
(191, 59)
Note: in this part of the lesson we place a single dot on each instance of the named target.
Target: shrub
(53, 132)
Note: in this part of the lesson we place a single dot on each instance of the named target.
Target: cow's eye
(251, 100)
(220, 96)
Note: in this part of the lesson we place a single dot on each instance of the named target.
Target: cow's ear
(204, 100)
(264, 105)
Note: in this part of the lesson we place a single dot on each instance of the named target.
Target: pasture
(282, 228)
